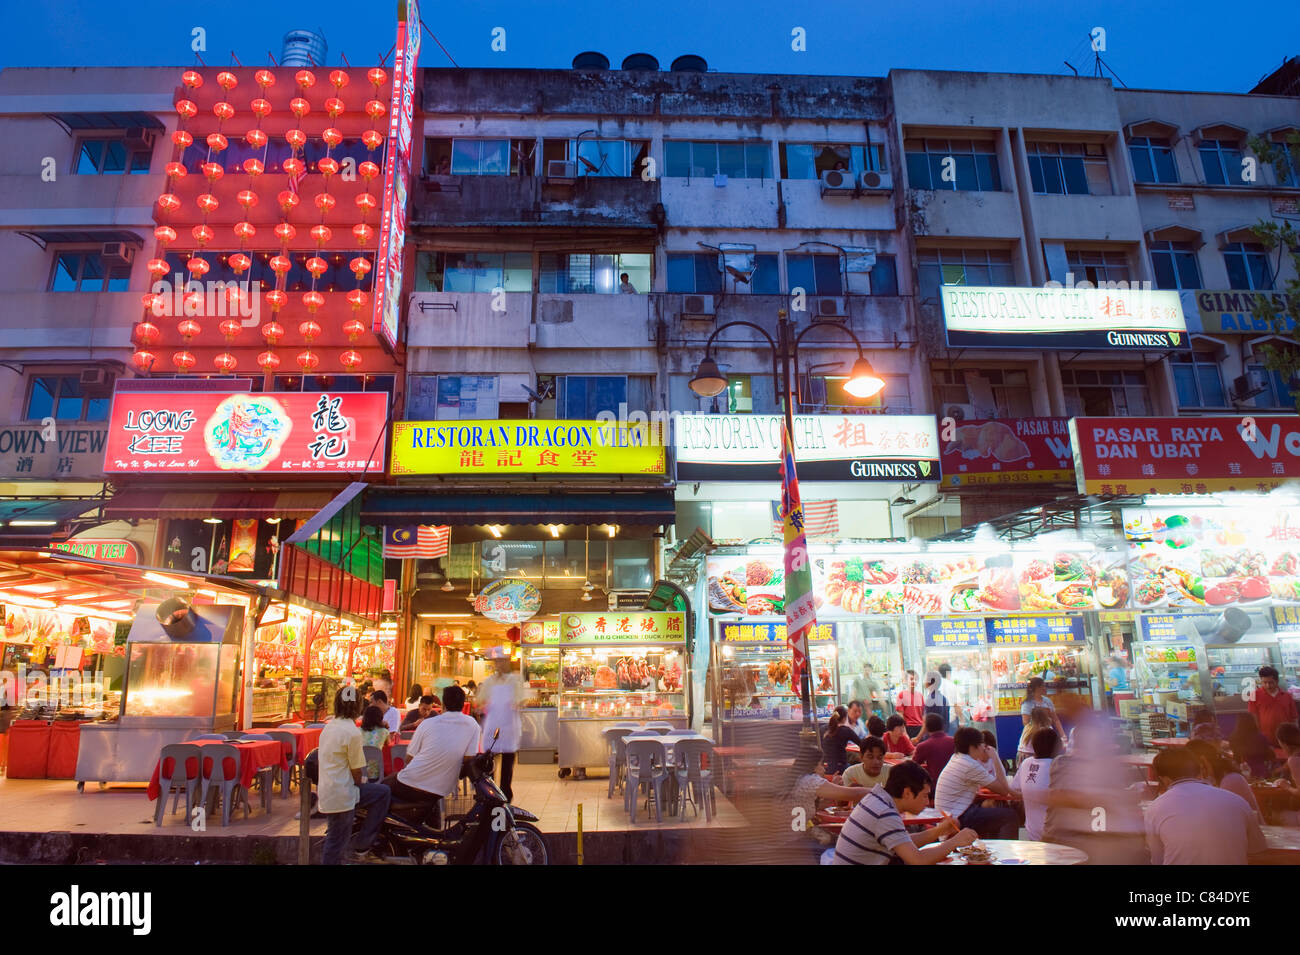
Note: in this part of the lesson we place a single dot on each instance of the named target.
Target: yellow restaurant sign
(527, 447)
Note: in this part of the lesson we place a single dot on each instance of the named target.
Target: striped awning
(227, 505)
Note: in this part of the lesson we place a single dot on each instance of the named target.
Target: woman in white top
(1033, 779)
(1036, 698)
(1039, 719)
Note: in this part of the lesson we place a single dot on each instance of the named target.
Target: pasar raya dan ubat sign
(1185, 455)
(527, 447)
(288, 433)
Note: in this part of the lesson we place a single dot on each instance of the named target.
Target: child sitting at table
(872, 769)
(896, 738)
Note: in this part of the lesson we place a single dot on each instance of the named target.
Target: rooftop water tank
(304, 48)
(690, 63)
(591, 60)
(640, 61)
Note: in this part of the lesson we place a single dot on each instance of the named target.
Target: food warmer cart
(1237, 645)
(1169, 667)
(961, 643)
(618, 666)
(540, 664)
(182, 680)
(1054, 648)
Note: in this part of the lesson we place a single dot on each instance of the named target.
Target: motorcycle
(493, 832)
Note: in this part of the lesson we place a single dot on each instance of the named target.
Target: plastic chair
(646, 760)
(286, 777)
(289, 726)
(617, 756)
(693, 778)
(374, 755)
(259, 737)
(632, 724)
(397, 755)
(221, 736)
(233, 734)
(178, 769)
(315, 726)
(661, 726)
(220, 770)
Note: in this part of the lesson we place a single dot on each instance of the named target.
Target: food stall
(880, 643)
(540, 666)
(182, 680)
(961, 644)
(617, 666)
(1169, 669)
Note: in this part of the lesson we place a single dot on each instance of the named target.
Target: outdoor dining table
(306, 738)
(1024, 852)
(254, 755)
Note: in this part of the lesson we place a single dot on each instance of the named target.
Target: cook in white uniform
(499, 698)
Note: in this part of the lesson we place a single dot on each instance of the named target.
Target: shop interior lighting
(207, 593)
(111, 615)
(555, 531)
(495, 529)
(442, 616)
(447, 586)
(33, 523)
(211, 520)
(612, 528)
(273, 520)
(1182, 500)
(34, 602)
(37, 588)
(168, 581)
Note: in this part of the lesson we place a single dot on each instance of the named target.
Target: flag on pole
(800, 605)
(422, 541)
(821, 519)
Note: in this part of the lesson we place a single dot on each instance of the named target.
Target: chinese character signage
(281, 433)
(1232, 311)
(941, 634)
(1022, 631)
(1086, 318)
(1115, 456)
(773, 633)
(1290, 649)
(70, 454)
(1172, 627)
(536, 633)
(508, 601)
(1011, 452)
(615, 626)
(827, 447)
(502, 448)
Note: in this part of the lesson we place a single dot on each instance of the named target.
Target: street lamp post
(709, 382)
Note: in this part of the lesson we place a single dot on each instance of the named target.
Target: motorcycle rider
(437, 753)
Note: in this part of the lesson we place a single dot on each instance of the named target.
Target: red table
(253, 756)
(1166, 742)
(306, 739)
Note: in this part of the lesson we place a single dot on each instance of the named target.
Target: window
(739, 395)
(443, 397)
(1074, 169)
(1097, 267)
(1104, 393)
(974, 166)
(815, 274)
(474, 271)
(478, 157)
(1153, 160)
(583, 397)
(1174, 264)
(825, 392)
(314, 383)
(1277, 392)
(810, 160)
(339, 277)
(61, 397)
(87, 272)
(1248, 267)
(694, 272)
(884, 276)
(995, 392)
(605, 158)
(1222, 163)
(937, 267)
(568, 273)
(274, 153)
(691, 159)
(110, 157)
(1197, 378)
(1291, 160)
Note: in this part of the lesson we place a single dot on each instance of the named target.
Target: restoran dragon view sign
(1092, 318)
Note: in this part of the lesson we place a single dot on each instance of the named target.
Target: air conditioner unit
(698, 308)
(628, 599)
(117, 253)
(828, 309)
(97, 382)
(1249, 385)
(876, 181)
(138, 139)
(561, 170)
(960, 412)
(838, 182)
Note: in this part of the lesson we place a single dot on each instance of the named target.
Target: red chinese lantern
(207, 202)
(193, 303)
(364, 234)
(182, 139)
(264, 78)
(254, 167)
(257, 139)
(308, 360)
(269, 361)
(325, 202)
(184, 360)
(189, 328)
(276, 299)
(143, 360)
(158, 268)
(272, 332)
(240, 263)
(317, 266)
(322, 234)
(513, 634)
(357, 299)
(192, 79)
(305, 78)
(246, 198)
(360, 266)
(293, 166)
(164, 234)
(375, 109)
(260, 108)
(285, 232)
(296, 138)
(230, 328)
(217, 142)
(186, 109)
(288, 199)
(280, 264)
(350, 359)
(223, 110)
(175, 170)
(366, 203)
(328, 165)
(169, 202)
(354, 328)
(338, 79)
(226, 80)
(444, 638)
(376, 76)
(198, 266)
(152, 303)
(373, 138)
(313, 300)
(225, 362)
(212, 171)
(332, 136)
(368, 170)
(245, 231)
(203, 234)
(309, 329)
(147, 333)
(299, 107)
(334, 106)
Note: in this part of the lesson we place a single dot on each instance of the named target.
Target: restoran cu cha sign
(1098, 318)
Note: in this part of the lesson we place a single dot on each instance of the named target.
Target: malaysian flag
(821, 519)
(421, 541)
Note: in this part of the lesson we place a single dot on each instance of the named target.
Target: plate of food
(1075, 597)
(1036, 570)
(1070, 566)
(1033, 597)
(977, 853)
(965, 598)
(1112, 589)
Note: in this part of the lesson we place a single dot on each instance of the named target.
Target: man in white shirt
(1034, 778)
(392, 715)
(971, 769)
(1194, 823)
(339, 787)
(437, 753)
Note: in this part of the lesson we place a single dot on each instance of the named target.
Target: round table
(1028, 853)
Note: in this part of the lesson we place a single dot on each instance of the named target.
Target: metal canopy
(1089, 515)
(44, 238)
(126, 120)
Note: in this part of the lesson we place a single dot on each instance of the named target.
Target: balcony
(467, 320)
(942, 212)
(807, 208)
(878, 318)
(740, 204)
(69, 326)
(1085, 218)
(78, 201)
(487, 203)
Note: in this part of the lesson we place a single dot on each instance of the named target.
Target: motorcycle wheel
(522, 845)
